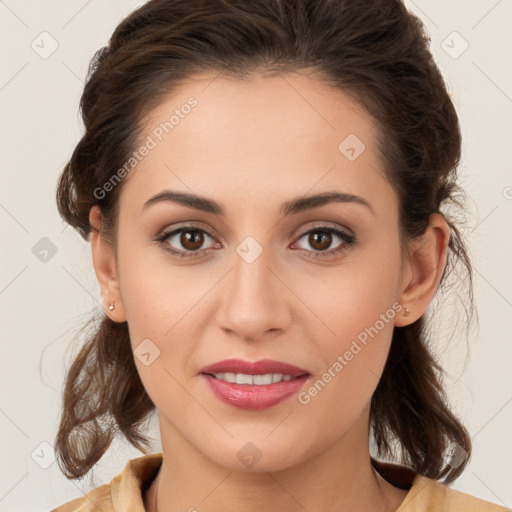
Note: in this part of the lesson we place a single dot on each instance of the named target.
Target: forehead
(295, 103)
(285, 133)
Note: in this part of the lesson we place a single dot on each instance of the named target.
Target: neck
(340, 478)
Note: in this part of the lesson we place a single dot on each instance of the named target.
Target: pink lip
(251, 396)
(253, 367)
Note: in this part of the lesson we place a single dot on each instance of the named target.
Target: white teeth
(259, 380)
(241, 378)
(266, 379)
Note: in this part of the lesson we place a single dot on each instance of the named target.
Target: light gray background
(44, 303)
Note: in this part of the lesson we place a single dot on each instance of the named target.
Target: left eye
(325, 239)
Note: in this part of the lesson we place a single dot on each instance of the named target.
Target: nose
(255, 300)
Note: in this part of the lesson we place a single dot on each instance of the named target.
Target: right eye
(191, 238)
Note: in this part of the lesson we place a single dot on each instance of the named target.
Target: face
(314, 286)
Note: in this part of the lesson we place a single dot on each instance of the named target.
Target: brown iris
(322, 236)
(192, 239)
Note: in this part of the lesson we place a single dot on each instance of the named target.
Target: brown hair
(374, 50)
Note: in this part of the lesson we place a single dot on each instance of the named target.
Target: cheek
(357, 307)
(352, 297)
(355, 347)
(154, 292)
(163, 303)
(354, 359)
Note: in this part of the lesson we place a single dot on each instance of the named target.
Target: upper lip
(260, 367)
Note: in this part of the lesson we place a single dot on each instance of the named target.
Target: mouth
(253, 385)
(254, 392)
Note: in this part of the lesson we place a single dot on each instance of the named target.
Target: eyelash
(348, 240)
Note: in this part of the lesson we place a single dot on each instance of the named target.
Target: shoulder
(123, 492)
(427, 495)
(97, 499)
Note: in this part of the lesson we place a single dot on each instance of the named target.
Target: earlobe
(426, 264)
(105, 268)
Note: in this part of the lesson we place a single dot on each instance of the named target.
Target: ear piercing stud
(111, 306)
(406, 312)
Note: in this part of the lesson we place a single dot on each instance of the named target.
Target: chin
(253, 456)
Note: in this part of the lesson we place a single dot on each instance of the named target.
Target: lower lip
(250, 396)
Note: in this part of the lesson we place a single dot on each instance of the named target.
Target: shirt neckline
(141, 472)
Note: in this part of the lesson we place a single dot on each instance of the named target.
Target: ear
(423, 270)
(104, 262)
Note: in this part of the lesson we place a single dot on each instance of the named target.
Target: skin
(251, 145)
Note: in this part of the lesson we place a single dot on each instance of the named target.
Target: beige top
(125, 491)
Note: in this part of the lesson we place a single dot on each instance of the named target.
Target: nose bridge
(253, 301)
(251, 272)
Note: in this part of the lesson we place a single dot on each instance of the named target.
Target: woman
(263, 183)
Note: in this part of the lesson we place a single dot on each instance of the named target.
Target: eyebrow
(291, 207)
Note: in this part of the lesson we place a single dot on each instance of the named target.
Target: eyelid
(326, 224)
(192, 224)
